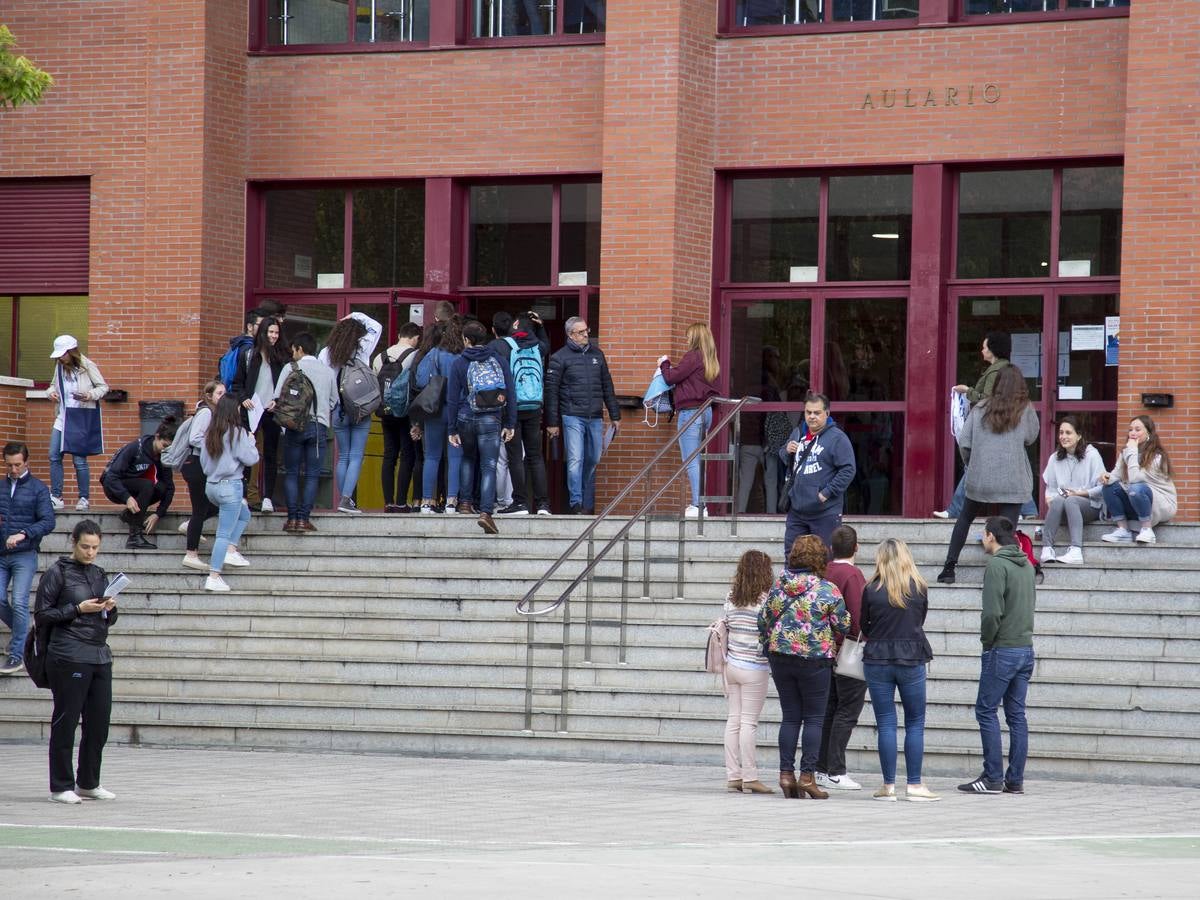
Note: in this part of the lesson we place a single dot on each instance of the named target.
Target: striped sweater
(744, 650)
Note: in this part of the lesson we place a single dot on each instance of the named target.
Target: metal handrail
(587, 534)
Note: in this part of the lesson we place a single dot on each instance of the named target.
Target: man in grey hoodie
(1006, 666)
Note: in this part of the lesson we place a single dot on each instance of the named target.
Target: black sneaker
(576, 510)
(1010, 788)
(982, 786)
(139, 542)
(946, 576)
(12, 666)
(513, 509)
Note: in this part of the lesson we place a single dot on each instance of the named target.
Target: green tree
(20, 80)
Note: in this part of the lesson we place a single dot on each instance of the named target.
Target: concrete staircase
(397, 634)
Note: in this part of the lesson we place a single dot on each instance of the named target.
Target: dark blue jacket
(132, 461)
(28, 509)
(457, 402)
(578, 383)
(829, 469)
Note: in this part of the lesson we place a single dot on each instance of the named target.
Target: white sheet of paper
(255, 413)
(610, 432)
(116, 584)
(1070, 392)
(1087, 337)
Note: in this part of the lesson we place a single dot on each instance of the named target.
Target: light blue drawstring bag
(658, 399)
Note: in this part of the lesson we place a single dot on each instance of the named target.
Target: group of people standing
(788, 629)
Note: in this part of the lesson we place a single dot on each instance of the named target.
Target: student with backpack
(394, 369)
(257, 374)
(695, 381)
(348, 354)
(481, 409)
(440, 348)
(525, 345)
(239, 346)
(136, 477)
(304, 399)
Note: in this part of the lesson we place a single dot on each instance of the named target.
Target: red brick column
(1160, 266)
(13, 409)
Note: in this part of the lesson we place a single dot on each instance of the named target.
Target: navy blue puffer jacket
(27, 510)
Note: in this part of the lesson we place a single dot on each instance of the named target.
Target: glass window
(391, 20)
(39, 321)
(1020, 316)
(579, 230)
(307, 21)
(510, 234)
(388, 237)
(1093, 372)
(878, 442)
(6, 336)
(774, 229)
(804, 12)
(870, 228)
(865, 349)
(1089, 241)
(992, 7)
(523, 18)
(1100, 430)
(1004, 224)
(770, 350)
(305, 239)
(761, 473)
(584, 16)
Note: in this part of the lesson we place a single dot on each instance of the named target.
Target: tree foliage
(20, 80)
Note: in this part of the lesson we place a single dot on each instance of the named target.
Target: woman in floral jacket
(797, 625)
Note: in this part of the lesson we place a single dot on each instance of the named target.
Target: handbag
(428, 402)
(83, 430)
(850, 658)
(36, 642)
(785, 495)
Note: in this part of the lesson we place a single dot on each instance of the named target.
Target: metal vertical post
(645, 556)
(587, 604)
(735, 449)
(566, 664)
(679, 560)
(529, 674)
(624, 593)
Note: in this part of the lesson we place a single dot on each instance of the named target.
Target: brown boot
(486, 523)
(808, 785)
(787, 784)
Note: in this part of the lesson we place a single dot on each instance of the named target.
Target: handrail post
(645, 556)
(587, 607)
(679, 560)
(529, 674)
(565, 660)
(735, 449)
(624, 595)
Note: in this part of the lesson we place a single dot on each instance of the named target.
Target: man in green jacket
(1006, 666)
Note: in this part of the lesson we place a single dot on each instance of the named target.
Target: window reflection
(392, 20)
(774, 229)
(761, 472)
(878, 441)
(1086, 371)
(39, 321)
(579, 230)
(1004, 224)
(870, 228)
(865, 349)
(1020, 317)
(1090, 236)
(307, 22)
(305, 238)
(510, 234)
(770, 350)
(583, 16)
(510, 18)
(991, 7)
(802, 12)
(388, 237)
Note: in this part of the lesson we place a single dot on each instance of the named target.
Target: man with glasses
(26, 517)
(577, 391)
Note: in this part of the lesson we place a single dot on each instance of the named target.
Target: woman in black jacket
(256, 376)
(135, 477)
(71, 603)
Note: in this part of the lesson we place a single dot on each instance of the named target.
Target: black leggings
(144, 491)
(201, 507)
(971, 509)
(398, 444)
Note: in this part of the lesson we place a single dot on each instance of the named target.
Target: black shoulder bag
(785, 499)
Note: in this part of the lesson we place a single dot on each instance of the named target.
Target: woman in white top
(1139, 488)
(225, 452)
(747, 672)
(354, 337)
(254, 385)
(76, 383)
(1072, 478)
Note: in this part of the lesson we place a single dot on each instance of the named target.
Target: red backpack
(1026, 545)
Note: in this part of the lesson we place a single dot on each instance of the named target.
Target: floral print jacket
(801, 616)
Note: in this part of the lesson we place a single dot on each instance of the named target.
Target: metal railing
(732, 420)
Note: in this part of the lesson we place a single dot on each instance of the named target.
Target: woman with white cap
(76, 383)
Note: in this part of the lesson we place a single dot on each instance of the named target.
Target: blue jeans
(584, 441)
(1004, 674)
(883, 680)
(803, 688)
(1029, 509)
(351, 447)
(480, 434)
(434, 445)
(19, 568)
(302, 450)
(1129, 504)
(233, 515)
(823, 526)
(693, 431)
(82, 474)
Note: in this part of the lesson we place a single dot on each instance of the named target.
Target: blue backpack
(227, 367)
(485, 384)
(528, 376)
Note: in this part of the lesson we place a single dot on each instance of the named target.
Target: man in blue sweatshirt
(26, 517)
(481, 406)
(823, 458)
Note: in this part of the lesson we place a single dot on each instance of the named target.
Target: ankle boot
(947, 574)
(808, 785)
(787, 784)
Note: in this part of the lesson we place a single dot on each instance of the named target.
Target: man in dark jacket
(1006, 666)
(824, 458)
(578, 390)
(482, 410)
(522, 458)
(136, 478)
(26, 517)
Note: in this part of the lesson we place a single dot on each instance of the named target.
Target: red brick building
(852, 192)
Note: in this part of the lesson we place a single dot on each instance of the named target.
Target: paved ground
(193, 823)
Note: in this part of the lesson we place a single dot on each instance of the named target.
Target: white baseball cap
(62, 344)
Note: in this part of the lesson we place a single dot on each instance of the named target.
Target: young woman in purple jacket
(694, 380)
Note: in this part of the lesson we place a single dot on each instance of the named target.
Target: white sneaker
(96, 793)
(183, 526)
(267, 505)
(195, 562)
(216, 583)
(1146, 536)
(233, 557)
(57, 503)
(543, 511)
(941, 514)
(451, 509)
(1048, 554)
(918, 793)
(1073, 557)
(428, 511)
(65, 797)
(691, 512)
(82, 505)
(1118, 536)
(837, 782)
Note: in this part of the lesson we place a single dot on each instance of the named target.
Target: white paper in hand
(116, 584)
(255, 413)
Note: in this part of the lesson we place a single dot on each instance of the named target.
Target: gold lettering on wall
(914, 98)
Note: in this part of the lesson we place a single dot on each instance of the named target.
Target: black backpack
(388, 373)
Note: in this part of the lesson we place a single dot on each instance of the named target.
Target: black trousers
(202, 508)
(803, 687)
(842, 709)
(80, 690)
(972, 509)
(268, 465)
(399, 445)
(526, 464)
(146, 492)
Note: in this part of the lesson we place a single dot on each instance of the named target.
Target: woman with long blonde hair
(895, 603)
(694, 380)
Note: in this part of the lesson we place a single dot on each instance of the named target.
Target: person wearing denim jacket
(798, 626)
